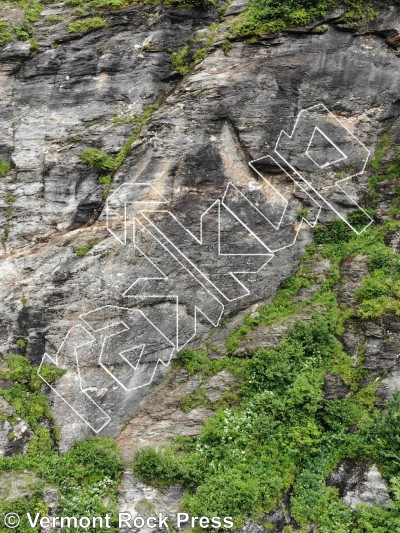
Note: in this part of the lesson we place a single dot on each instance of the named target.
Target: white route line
(163, 277)
(127, 328)
(128, 195)
(132, 188)
(199, 241)
(273, 251)
(49, 360)
(329, 163)
(368, 153)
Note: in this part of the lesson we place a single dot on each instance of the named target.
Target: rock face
(229, 110)
(360, 484)
(190, 164)
(163, 414)
(76, 89)
(137, 499)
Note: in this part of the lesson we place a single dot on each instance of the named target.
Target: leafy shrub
(23, 372)
(25, 394)
(97, 457)
(375, 285)
(5, 38)
(157, 467)
(87, 25)
(269, 16)
(4, 166)
(333, 233)
(193, 360)
(87, 476)
(41, 443)
(181, 61)
(385, 260)
(22, 506)
(246, 457)
(388, 436)
(201, 4)
(358, 219)
(97, 159)
(230, 493)
(33, 407)
(315, 337)
(53, 19)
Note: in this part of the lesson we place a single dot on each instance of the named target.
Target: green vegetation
(21, 343)
(53, 19)
(278, 434)
(5, 37)
(97, 159)
(105, 164)
(119, 4)
(4, 166)
(85, 5)
(386, 172)
(180, 62)
(197, 48)
(80, 251)
(260, 17)
(270, 16)
(87, 25)
(23, 32)
(34, 45)
(87, 476)
(201, 4)
(5, 226)
(198, 398)
(25, 395)
(197, 361)
(148, 110)
(285, 436)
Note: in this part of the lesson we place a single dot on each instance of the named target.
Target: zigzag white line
(322, 106)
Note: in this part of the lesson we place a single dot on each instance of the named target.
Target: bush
(230, 493)
(272, 370)
(87, 25)
(375, 285)
(41, 443)
(157, 467)
(53, 19)
(193, 360)
(271, 16)
(388, 436)
(4, 166)
(358, 219)
(5, 38)
(97, 458)
(246, 457)
(97, 159)
(334, 233)
(87, 476)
